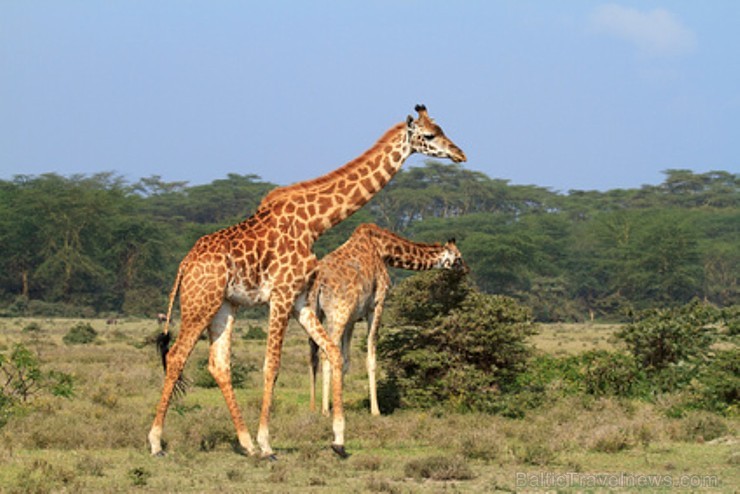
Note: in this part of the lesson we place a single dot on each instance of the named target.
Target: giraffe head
(426, 137)
(451, 258)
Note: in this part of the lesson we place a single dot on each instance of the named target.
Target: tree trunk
(24, 283)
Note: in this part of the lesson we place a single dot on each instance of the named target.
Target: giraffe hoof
(160, 454)
(340, 451)
(271, 457)
(241, 450)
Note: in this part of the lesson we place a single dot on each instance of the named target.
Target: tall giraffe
(352, 282)
(267, 259)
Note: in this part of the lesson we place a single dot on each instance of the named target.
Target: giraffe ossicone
(268, 259)
(351, 283)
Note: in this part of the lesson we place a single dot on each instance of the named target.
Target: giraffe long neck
(399, 252)
(329, 199)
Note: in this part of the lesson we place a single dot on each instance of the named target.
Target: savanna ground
(96, 440)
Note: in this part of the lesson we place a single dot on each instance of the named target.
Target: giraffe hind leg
(219, 365)
(313, 327)
(163, 346)
(326, 384)
(175, 360)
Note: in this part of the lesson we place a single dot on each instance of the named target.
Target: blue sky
(562, 94)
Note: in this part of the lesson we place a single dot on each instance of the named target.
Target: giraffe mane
(374, 232)
(331, 176)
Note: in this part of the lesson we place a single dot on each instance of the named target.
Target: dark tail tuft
(163, 345)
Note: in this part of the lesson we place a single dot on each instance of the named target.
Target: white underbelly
(241, 295)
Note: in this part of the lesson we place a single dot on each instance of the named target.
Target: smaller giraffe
(352, 282)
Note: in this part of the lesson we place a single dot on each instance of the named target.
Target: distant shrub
(611, 374)
(702, 426)
(254, 333)
(239, 374)
(16, 308)
(24, 307)
(80, 334)
(535, 450)
(32, 327)
(660, 338)
(40, 308)
(439, 468)
(611, 439)
(139, 476)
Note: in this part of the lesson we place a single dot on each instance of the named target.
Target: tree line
(87, 245)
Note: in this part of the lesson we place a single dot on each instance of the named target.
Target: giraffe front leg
(279, 313)
(313, 327)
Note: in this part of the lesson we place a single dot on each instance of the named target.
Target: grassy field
(96, 441)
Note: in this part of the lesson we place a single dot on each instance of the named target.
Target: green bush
(22, 378)
(548, 378)
(611, 374)
(660, 338)
(16, 307)
(674, 348)
(80, 334)
(716, 386)
(731, 318)
(457, 355)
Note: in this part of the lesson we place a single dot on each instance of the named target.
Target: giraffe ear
(410, 122)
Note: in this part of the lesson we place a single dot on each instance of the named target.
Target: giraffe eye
(428, 137)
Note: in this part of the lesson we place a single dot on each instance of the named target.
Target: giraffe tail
(163, 347)
(164, 338)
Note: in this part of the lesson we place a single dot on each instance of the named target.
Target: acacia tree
(76, 240)
(102, 243)
(75, 233)
(20, 229)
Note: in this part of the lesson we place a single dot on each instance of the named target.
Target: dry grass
(569, 338)
(96, 442)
